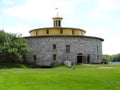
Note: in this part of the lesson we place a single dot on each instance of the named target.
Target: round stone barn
(53, 45)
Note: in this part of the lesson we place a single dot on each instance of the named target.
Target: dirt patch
(89, 65)
(106, 67)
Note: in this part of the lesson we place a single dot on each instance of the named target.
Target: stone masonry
(41, 49)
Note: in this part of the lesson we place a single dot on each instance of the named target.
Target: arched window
(80, 54)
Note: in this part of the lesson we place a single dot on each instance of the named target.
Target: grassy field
(84, 77)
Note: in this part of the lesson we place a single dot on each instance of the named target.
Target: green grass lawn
(84, 77)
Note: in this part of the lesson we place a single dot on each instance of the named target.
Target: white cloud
(108, 5)
(8, 2)
(18, 29)
(40, 9)
(98, 14)
(103, 6)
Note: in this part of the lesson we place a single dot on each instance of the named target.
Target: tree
(116, 58)
(106, 57)
(111, 58)
(12, 47)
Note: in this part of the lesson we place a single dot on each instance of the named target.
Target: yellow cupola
(57, 21)
(57, 29)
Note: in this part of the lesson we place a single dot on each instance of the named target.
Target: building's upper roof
(58, 30)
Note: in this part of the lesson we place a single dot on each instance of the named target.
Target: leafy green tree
(112, 58)
(116, 58)
(106, 57)
(12, 47)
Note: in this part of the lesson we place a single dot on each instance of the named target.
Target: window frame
(67, 48)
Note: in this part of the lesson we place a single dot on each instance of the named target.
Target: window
(47, 31)
(54, 46)
(36, 33)
(54, 23)
(54, 56)
(61, 31)
(97, 52)
(67, 48)
(97, 57)
(97, 49)
(34, 57)
(59, 23)
(88, 58)
(73, 32)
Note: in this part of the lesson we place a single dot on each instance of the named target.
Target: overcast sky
(100, 18)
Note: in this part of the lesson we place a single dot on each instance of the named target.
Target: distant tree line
(111, 58)
(12, 47)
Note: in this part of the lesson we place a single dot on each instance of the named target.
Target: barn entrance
(79, 58)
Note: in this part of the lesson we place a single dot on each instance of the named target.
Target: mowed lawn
(84, 77)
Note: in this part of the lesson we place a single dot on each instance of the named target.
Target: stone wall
(41, 49)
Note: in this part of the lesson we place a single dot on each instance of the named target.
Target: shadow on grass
(11, 66)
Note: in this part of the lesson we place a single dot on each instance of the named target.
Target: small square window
(54, 56)
(54, 46)
(34, 57)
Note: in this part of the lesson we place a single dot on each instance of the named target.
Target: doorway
(88, 58)
(79, 58)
